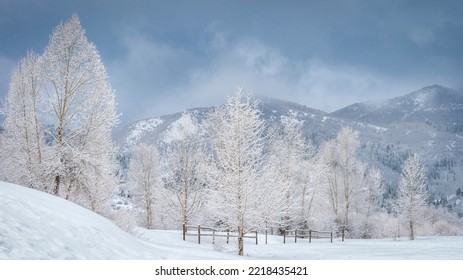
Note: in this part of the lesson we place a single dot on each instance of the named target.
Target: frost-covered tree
(237, 142)
(59, 116)
(373, 192)
(289, 164)
(184, 171)
(22, 148)
(344, 174)
(412, 193)
(143, 177)
(80, 107)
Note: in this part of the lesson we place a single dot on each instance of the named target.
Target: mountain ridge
(437, 106)
(428, 121)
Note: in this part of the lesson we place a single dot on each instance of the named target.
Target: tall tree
(184, 175)
(373, 192)
(23, 148)
(237, 143)
(344, 174)
(412, 193)
(80, 106)
(143, 176)
(289, 162)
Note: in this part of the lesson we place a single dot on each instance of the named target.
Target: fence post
(228, 235)
(184, 231)
(331, 236)
(199, 234)
(284, 236)
(295, 236)
(213, 236)
(342, 234)
(256, 238)
(310, 236)
(266, 230)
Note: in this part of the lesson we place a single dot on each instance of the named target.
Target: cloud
(153, 78)
(164, 57)
(144, 74)
(259, 58)
(267, 71)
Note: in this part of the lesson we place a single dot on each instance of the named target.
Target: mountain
(435, 106)
(428, 121)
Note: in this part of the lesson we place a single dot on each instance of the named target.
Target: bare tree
(143, 176)
(237, 143)
(412, 193)
(80, 106)
(344, 175)
(289, 163)
(184, 171)
(373, 192)
(23, 150)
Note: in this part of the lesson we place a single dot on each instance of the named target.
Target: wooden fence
(307, 233)
(201, 231)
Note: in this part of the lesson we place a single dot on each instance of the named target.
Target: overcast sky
(166, 56)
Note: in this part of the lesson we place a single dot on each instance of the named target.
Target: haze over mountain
(428, 121)
(437, 106)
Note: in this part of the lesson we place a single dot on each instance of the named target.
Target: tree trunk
(149, 215)
(59, 144)
(412, 232)
(57, 184)
(240, 241)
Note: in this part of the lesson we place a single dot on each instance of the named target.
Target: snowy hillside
(35, 225)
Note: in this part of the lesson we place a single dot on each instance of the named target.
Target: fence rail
(307, 233)
(202, 231)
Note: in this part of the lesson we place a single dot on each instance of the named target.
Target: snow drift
(36, 225)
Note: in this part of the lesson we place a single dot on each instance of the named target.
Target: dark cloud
(166, 56)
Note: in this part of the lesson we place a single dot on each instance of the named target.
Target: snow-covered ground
(36, 225)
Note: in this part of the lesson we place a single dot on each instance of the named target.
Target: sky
(166, 56)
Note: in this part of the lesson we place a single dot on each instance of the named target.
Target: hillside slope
(36, 225)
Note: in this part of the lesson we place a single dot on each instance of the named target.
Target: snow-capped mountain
(428, 121)
(435, 106)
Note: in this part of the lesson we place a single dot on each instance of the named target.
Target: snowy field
(35, 225)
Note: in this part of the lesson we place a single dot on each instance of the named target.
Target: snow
(180, 128)
(141, 128)
(420, 100)
(325, 118)
(36, 225)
